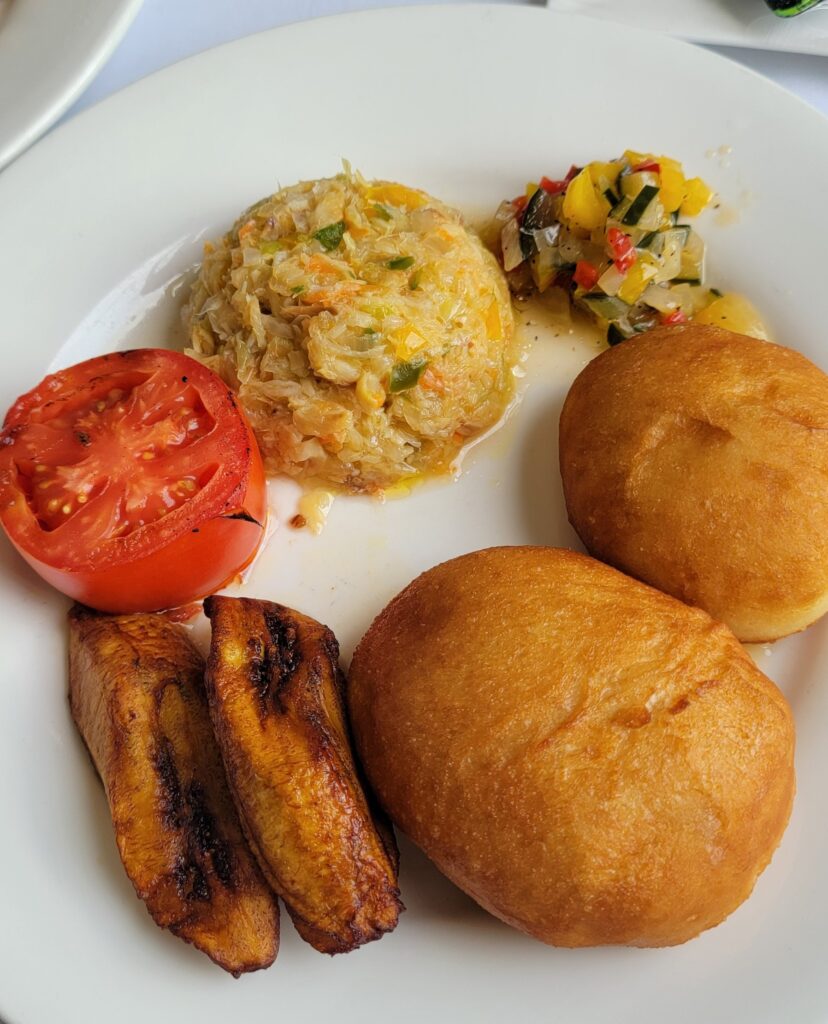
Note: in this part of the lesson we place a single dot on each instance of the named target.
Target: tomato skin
(198, 548)
(181, 572)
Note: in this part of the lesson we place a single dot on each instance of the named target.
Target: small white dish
(50, 50)
(747, 23)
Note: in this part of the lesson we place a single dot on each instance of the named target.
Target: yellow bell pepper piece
(406, 342)
(671, 179)
(636, 280)
(531, 189)
(378, 312)
(494, 325)
(734, 313)
(697, 195)
(583, 205)
(604, 174)
(634, 158)
(673, 183)
(395, 195)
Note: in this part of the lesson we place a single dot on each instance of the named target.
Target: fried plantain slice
(276, 699)
(136, 692)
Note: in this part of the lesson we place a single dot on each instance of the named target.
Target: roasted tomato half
(132, 482)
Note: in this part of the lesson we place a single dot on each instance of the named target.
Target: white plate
(50, 50)
(723, 22)
(469, 103)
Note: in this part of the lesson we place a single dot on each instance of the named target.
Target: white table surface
(166, 31)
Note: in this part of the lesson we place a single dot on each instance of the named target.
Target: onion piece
(510, 245)
(632, 183)
(506, 210)
(669, 259)
(546, 238)
(692, 297)
(573, 249)
(611, 280)
(661, 298)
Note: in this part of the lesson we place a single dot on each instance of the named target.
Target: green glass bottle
(788, 8)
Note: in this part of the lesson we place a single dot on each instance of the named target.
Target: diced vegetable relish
(615, 235)
(368, 333)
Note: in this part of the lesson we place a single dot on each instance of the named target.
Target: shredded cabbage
(368, 333)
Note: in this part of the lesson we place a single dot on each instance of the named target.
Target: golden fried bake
(591, 760)
(697, 460)
(137, 696)
(275, 693)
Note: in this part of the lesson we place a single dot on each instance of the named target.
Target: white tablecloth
(168, 30)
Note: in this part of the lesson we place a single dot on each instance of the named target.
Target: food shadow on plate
(135, 925)
(540, 490)
(18, 578)
(794, 663)
(429, 896)
(431, 899)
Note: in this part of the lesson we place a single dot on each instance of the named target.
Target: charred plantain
(275, 693)
(136, 692)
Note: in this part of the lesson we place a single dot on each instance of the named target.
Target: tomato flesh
(95, 450)
(129, 465)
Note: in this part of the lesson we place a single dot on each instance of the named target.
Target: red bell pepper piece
(554, 188)
(626, 261)
(585, 275)
(621, 249)
(676, 317)
(647, 165)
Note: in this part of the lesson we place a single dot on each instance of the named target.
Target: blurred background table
(166, 31)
